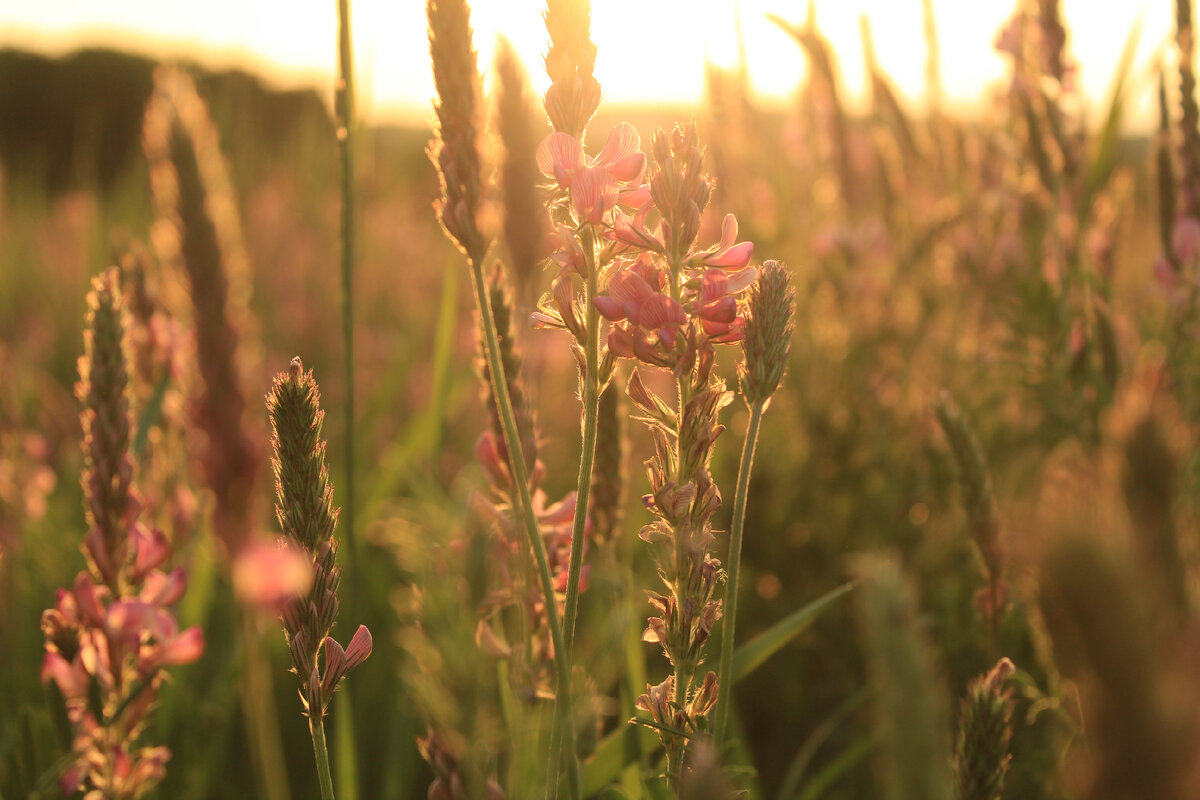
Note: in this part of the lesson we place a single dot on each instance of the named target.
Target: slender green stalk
(725, 698)
(520, 479)
(316, 725)
(258, 706)
(345, 136)
(587, 455)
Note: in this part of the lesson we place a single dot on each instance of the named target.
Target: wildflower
(110, 636)
(595, 186)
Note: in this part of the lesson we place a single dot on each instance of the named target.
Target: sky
(649, 50)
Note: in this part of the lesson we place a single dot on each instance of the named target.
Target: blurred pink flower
(268, 575)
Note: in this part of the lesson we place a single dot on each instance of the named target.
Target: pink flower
(150, 549)
(630, 232)
(635, 293)
(716, 303)
(268, 575)
(729, 254)
(596, 185)
(181, 649)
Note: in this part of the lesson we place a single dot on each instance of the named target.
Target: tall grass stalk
(455, 152)
(344, 107)
(766, 346)
(516, 464)
(733, 571)
(587, 455)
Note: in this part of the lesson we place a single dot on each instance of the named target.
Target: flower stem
(520, 479)
(725, 697)
(345, 137)
(587, 455)
(316, 726)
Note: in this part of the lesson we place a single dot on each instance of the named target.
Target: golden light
(649, 50)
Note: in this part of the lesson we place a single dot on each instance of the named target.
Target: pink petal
(635, 197)
(723, 311)
(360, 647)
(713, 286)
(621, 154)
(163, 589)
(610, 308)
(560, 154)
(620, 342)
(741, 280)
(150, 549)
(736, 257)
(660, 311)
(182, 649)
(729, 230)
(132, 618)
(87, 599)
(593, 192)
(71, 679)
(560, 513)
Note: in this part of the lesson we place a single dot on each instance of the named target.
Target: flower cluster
(111, 635)
(653, 281)
(669, 301)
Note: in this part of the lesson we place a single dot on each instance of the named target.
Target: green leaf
(614, 753)
(753, 653)
(625, 745)
(849, 758)
(1106, 148)
(808, 750)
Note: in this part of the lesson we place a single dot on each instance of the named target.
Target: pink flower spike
(360, 647)
(559, 156)
(182, 649)
(622, 155)
(268, 575)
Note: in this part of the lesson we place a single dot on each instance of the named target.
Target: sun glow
(650, 51)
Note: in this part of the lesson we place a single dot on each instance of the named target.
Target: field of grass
(969, 549)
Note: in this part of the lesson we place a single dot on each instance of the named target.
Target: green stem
(258, 707)
(345, 136)
(520, 479)
(316, 725)
(587, 455)
(725, 696)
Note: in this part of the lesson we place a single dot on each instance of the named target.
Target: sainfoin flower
(110, 636)
(597, 184)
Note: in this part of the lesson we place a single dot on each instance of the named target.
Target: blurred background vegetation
(1008, 257)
